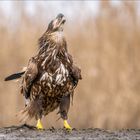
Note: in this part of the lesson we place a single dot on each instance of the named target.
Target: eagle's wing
(14, 76)
(75, 72)
(29, 77)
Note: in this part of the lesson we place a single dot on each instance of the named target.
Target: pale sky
(52, 8)
(66, 7)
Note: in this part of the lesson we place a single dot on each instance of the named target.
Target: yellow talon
(66, 125)
(39, 124)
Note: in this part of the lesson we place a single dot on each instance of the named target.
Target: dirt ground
(29, 132)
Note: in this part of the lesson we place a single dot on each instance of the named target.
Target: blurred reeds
(106, 47)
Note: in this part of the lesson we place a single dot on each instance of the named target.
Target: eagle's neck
(52, 40)
(57, 37)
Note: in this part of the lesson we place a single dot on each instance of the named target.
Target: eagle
(50, 77)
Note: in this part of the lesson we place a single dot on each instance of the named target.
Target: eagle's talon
(39, 125)
(67, 126)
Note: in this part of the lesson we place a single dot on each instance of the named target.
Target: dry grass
(107, 49)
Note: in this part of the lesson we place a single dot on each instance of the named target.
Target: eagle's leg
(39, 124)
(64, 108)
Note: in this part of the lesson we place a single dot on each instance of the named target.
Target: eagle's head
(57, 23)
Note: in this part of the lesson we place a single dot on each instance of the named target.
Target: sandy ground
(29, 132)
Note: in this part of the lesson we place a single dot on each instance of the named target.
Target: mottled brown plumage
(51, 75)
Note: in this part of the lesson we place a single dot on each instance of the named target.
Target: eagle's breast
(54, 69)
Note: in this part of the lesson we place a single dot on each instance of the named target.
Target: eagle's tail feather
(23, 115)
(33, 109)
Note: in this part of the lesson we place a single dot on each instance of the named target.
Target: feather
(14, 76)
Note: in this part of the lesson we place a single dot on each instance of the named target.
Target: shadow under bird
(50, 77)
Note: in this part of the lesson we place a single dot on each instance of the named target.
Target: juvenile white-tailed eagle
(51, 76)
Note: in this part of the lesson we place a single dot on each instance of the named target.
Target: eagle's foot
(39, 125)
(67, 126)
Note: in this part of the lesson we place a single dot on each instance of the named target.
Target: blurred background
(104, 40)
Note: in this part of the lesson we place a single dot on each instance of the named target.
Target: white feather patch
(44, 76)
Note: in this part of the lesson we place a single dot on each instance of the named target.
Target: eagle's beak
(63, 20)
